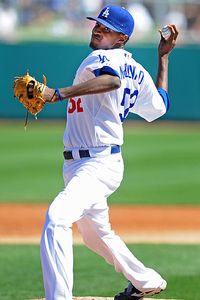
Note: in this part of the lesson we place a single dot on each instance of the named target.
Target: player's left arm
(101, 84)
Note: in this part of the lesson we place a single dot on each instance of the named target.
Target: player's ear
(123, 39)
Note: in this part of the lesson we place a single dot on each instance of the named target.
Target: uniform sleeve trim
(165, 97)
(105, 70)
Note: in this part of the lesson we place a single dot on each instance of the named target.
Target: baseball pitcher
(107, 86)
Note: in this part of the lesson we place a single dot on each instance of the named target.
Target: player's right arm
(153, 100)
(164, 49)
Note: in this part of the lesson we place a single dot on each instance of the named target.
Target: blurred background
(51, 37)
(22, 20)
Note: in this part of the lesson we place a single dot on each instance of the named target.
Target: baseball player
(108, 85)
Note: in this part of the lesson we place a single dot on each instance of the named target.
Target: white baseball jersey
(96, 120)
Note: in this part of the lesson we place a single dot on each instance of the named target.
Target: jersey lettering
(103, 58)
(140, 77)
(129, 103)
(129, 71)
(74, 106)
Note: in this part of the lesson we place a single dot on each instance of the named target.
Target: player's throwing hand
(166, 45)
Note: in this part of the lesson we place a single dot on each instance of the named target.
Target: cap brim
(103, 22)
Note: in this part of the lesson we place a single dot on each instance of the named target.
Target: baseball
(166, 32)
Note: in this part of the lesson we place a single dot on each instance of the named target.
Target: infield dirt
(22, 223)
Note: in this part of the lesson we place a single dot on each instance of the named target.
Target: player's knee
(51, 216)
(58, 216)
(55, 211)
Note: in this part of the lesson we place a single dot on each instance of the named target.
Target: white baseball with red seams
(166, 32)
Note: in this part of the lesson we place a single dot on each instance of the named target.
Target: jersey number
(75, 106)
(131, 102)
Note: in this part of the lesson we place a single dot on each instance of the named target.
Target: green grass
(21, 277)
(162, 162)
(31, 161)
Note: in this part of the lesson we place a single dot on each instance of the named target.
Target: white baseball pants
(88, 183)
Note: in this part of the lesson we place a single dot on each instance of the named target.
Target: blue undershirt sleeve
(165, 97)
(105, 70)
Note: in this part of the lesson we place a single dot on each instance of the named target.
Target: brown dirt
(102, 298)
(22, 223)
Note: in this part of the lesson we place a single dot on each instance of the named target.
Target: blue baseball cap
(116, 18)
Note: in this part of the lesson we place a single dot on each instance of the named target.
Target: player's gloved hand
(30, 93)
(166, 46)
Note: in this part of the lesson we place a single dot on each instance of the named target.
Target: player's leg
(56, 249)
(82, 190)
(56, 241)
(98, 236)
(92, 240)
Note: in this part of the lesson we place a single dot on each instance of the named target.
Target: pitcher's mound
(100, 298)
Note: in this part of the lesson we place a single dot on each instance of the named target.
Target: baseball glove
(30, 93)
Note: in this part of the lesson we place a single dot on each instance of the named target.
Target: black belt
(86, 153)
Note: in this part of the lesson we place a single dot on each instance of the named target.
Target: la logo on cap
(106, 13)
